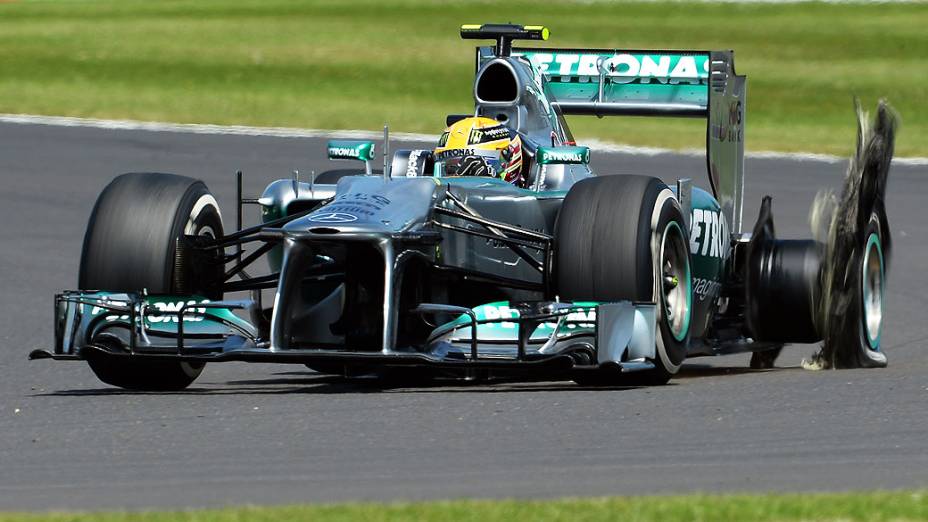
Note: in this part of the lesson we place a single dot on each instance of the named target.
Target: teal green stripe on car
(162, 314)
(874, 239)
(580, 318)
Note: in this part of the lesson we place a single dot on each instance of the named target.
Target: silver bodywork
(472, 236)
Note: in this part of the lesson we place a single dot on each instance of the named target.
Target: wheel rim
(872, 277)
(676, 295)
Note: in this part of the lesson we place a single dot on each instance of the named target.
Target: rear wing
(614, 82)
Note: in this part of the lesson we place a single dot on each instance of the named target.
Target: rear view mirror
(352, 150)
(563, 155)
(356, 150)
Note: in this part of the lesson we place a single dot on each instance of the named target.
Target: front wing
(538, 338)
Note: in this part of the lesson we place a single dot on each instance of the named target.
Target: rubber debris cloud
(843, 224)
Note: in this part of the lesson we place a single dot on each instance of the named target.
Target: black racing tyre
(624, 238)
(130, 245)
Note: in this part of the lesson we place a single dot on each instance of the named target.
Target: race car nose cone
(371, 205)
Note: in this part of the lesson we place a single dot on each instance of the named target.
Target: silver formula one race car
(567, 275)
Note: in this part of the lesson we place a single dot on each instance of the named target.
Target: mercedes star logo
(333, 217)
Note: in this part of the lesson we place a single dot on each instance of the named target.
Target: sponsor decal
(620, 67)
(355, 204)
(726, 122)
(373, 200)
(159, 314)
(412, 164)
(158, 311)
(343, 152)
(496, 133)
(582, 318)
(455, 153)
(333, 217)
(487, 135)
(705, 288)
(708, 233)
(563, 155)
(169, 312)
(495, 311)
(360, 150)
(571, 157)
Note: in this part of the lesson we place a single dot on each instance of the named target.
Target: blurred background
(359, 64)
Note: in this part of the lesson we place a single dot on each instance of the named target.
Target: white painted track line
(290, 132)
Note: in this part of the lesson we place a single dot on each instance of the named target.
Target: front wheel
(131, 245)
(624, 238)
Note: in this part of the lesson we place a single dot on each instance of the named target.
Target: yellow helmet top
(476, 133)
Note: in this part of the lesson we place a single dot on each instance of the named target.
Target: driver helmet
(478, 146)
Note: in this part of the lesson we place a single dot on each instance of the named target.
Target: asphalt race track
(268, 434)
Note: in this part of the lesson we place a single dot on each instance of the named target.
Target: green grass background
(863, 507)
(358, 64)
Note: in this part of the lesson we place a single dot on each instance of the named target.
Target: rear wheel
(623, 238)
(852, 311)
(131, 245)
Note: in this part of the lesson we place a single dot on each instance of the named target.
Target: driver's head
(480, 146)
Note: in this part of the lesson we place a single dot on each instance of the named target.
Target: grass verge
(338, 64)
(862, 506)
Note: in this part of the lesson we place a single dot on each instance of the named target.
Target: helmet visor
(470, 162)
